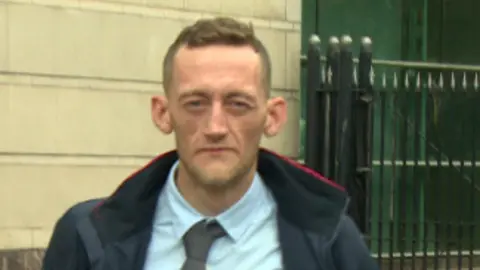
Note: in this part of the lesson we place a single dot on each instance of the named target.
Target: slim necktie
(197, 243)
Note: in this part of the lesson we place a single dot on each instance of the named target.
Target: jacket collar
(304, 198)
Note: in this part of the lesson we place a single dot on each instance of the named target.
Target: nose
(216, 127)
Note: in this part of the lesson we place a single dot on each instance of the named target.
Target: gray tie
(197, 243)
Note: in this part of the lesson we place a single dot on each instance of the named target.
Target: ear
(276, 116)
(160, 114)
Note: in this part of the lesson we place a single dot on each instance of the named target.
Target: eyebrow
(196, 92)
(204, 93)
(235, 94)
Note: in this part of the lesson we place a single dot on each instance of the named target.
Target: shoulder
(349, 249)
(82, 209)
(65, 249)
(70, 218)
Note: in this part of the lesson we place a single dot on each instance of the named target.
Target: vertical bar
(426, 157)
(381, 203)
(393, 203)
(417, 104)
(460, 195)
(313, 129)
(436, 203)
(423, 126)
(333, 76)
(363, 121)
(404, 220)
(344, 170)
(326, 118)
(451, 208)
(325, 122)
(473, 190)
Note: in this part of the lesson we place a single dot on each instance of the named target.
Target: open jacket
(315, 232)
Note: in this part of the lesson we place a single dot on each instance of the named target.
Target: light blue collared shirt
(251, 226)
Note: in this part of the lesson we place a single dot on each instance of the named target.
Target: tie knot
(199, 239)
(214, 229)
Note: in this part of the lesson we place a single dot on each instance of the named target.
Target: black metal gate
(403, 138)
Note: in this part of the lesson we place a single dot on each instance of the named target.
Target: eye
(194, 104)
(239, 105)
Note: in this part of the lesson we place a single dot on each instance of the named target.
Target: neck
(212, 200)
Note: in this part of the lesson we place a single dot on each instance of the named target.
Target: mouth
(215, 150)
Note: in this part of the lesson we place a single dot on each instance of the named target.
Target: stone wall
(75, 82)
(21, 259)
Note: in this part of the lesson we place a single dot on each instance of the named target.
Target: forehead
(216, 68)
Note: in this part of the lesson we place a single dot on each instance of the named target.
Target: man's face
(217, 107)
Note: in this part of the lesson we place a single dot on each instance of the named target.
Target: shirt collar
(234, 220)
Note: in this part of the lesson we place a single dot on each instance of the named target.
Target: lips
(215, 149)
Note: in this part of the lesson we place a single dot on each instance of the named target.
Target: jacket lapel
(300, 250)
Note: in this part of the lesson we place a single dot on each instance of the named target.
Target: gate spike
(384, 80)
(440, 81)
(464, 81)
(372, 76)
(418, 83)
(475, 82)
(407, 81)
(452, 81)
(429, 81)
(395, 80)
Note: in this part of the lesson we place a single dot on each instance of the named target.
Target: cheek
(250, 132)
(185, 131)
(189, 127)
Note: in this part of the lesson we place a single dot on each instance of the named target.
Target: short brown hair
(217, 31)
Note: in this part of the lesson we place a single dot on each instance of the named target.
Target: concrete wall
(75, 82)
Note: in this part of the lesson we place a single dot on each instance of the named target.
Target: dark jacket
(314, 231)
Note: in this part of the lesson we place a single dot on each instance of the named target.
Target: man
(218, 201)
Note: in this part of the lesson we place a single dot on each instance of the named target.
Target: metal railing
(402, 137)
